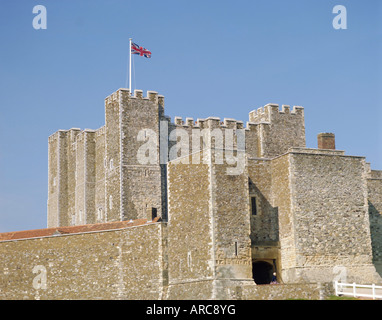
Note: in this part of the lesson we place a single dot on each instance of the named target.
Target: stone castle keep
(184, 228)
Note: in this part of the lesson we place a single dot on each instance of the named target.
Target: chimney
(326, 141)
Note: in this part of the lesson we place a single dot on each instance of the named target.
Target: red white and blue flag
(136, 49)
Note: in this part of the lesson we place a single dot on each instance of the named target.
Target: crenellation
(229, 123)
(138, 94)
(251, 126)
(115, 96)
(271, 112)
(298, 110)
(285, 109)
(73, 132)
(239, 124)
(152, 96)
(200, 123)
(178, 121)
(210, 122)
(189, 122)
(161, 101)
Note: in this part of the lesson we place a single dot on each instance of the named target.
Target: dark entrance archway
(262, 272)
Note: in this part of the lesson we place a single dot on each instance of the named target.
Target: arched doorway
(262, 272)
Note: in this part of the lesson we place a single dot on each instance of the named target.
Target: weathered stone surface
(120, 264)
(309, 215)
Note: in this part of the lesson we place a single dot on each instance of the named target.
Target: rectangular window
(110, 202)
(100, 214)
(189, 259)
(153, 213)
(253, 206)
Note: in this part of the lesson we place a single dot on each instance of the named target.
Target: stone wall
(307, 291)
(230, 207)
(114, 264)
(190, 231)
(330, 217)
(281, 199)
(374, 184)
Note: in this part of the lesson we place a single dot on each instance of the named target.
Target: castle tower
(209, 246)
(324, 228)
(133, 183)
(278, 130)
(97, 175)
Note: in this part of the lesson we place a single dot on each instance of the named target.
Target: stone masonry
(213, 210)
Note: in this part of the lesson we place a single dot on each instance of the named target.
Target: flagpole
(130, 66)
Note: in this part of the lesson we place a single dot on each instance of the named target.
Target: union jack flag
(136, 49)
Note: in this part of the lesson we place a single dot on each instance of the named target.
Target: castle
(146, 208)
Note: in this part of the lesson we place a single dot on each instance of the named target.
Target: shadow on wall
(264, 218)
(375, 219)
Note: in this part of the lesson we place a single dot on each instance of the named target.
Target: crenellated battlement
(263, 115)
(83, 133)
(138, 94)
(271, 112)
(214, 122)
(75, 134)
(210, 122)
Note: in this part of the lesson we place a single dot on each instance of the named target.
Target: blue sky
(209, 58)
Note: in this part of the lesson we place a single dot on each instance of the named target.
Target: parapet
(75, 134)
(271, 111)
(210, 122)
(373, 174)
(138, 94)
(328, 152)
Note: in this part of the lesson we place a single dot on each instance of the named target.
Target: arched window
(262, 272)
